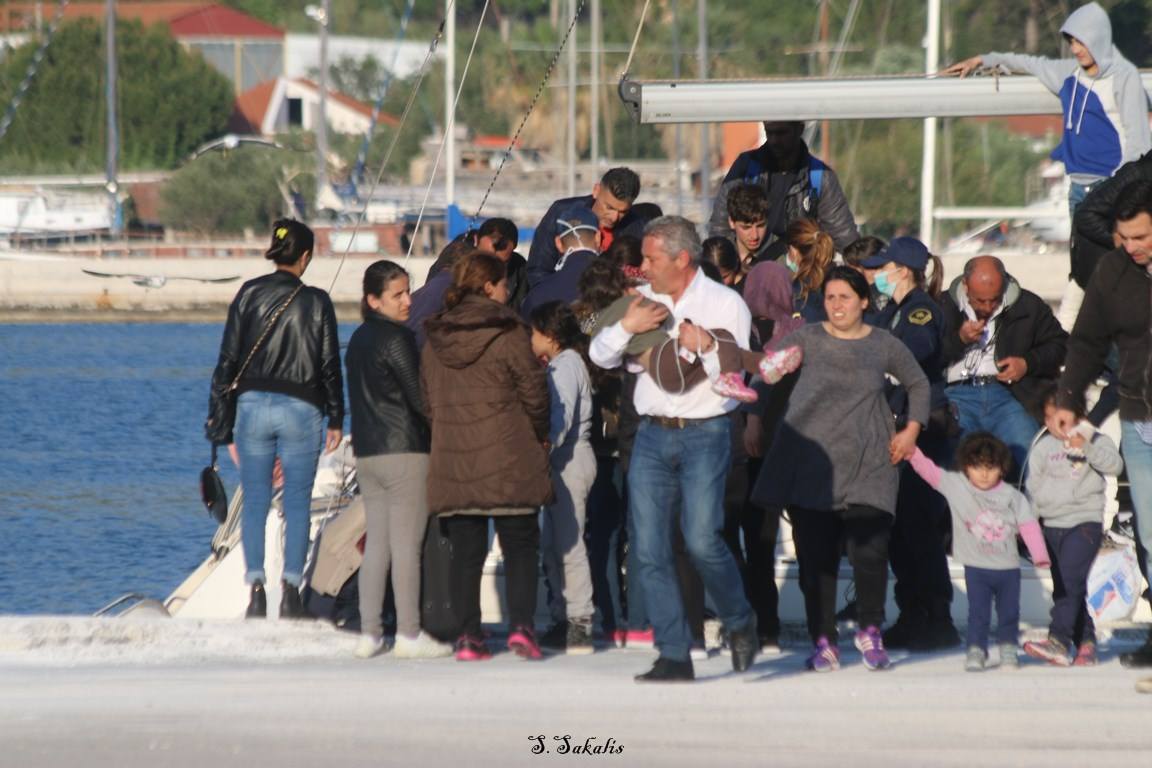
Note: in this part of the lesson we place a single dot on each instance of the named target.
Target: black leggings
(520, 542)
(820, 536)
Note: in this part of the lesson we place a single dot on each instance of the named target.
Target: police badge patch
(920, 316)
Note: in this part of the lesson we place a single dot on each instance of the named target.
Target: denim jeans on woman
(688, 466)
(270, 424)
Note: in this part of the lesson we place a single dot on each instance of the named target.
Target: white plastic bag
(1114, 581)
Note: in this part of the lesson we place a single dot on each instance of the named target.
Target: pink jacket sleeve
(927, 469)
(1034, 540)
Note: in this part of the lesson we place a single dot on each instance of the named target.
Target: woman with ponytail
(280, 356)
(923, 590)
(390, 438)
(809, 256)
(487, 400)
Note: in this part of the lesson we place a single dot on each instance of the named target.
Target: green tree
(170, 101)
(228, 192)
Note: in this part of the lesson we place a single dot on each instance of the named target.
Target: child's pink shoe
(470, 648)
(776, 365)
(1085, 655)
(732, 385)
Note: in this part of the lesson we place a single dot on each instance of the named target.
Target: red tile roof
(183, 19)
(251, 107)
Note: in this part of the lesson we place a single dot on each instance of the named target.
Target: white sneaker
(423, 646)
(370, 646)
(713, 634)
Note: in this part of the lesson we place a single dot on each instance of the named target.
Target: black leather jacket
(300, 357)
(388, 414)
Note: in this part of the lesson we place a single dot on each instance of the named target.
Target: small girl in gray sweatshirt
(987, 514)
(1066, 481)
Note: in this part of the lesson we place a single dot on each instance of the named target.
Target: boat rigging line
(635, 41)
(449, 125)
(531, 106)
(33, 67)
(421, 73)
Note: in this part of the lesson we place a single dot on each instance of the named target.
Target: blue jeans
(985, 585)
(269, 424)
(1076, 195)
(1138, 464)
(688, 466)
(993, 408)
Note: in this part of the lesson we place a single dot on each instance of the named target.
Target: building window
(295, 113)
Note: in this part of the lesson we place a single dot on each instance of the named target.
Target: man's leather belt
(678, 422)
(974, 381)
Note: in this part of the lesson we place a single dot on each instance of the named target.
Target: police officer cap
(575, 218)
(903, 250)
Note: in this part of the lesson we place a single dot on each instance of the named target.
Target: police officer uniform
(917, 550)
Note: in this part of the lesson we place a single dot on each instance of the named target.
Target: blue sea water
(102, 429)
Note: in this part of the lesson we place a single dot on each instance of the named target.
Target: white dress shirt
(979, 357)
(707, 304)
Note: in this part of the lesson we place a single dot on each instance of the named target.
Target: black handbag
(212, 491)
(222, 413)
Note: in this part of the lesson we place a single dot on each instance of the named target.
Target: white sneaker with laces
(423, 646)
(370, 646)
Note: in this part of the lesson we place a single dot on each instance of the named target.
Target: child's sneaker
(618, 637)
(825, 657)
(469, 648)
(1085, 655)
(522, 642)
(976, 660)
(871, 647)
(579, 639)
(1009, 656)
(732, 385)
(1051, 650)
(776, 365)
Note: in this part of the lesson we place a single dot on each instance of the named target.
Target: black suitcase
(437, 616)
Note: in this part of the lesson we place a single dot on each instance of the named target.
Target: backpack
(816, 168)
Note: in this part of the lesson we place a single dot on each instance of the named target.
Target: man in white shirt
(682, 450)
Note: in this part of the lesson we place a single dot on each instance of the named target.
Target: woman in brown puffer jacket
(487, 400)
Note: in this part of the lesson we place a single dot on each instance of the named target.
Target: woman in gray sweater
(833, 462)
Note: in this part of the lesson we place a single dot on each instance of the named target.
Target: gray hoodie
(1067, 485)
(1105, 115)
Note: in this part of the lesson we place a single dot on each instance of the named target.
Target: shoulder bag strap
(264, 335)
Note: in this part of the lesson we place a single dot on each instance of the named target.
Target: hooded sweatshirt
(1106, 115)
(1067, 485)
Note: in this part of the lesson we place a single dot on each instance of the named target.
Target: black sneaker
(257, 603)
(1141, 657)
(555, 638)
(933, 636)
(668, 671)
(579, 639)
(900, 634)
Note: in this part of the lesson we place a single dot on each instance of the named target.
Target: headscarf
(768, 293)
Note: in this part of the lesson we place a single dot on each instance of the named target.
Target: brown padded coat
(487, 401)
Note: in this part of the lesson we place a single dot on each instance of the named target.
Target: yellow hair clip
(281, 233)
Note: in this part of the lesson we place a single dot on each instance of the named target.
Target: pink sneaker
(470, 648)
(523, 643)
(776, 365)
(732, 385)
(619, 637)
(640, 639)
(825, 657)
(1085, 655)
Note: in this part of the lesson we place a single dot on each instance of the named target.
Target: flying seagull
(158, 281)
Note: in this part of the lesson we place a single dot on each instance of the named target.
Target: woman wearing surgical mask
(809, 256)
(923, 583)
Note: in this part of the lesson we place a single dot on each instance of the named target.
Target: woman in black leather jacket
(390, 438)
(289, 385)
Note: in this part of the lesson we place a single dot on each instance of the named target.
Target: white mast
(572, 102)
(113, 147)
(928, 165)
(449, 89)
(322, 120)
(596, 35)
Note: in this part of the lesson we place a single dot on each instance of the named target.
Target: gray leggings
(395, 493)
(562, 538)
